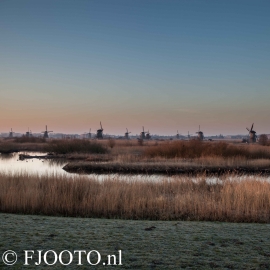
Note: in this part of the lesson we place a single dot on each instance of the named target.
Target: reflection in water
(10, 163)
(56, 162)
(7, 156)
(34, 166)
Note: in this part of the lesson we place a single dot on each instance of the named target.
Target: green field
(171, 245)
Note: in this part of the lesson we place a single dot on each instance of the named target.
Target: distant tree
(263, 139)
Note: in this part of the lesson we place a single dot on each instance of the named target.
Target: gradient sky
(167, 65)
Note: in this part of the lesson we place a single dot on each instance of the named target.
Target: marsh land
(159, 219)
(202, 181)
(150, 157)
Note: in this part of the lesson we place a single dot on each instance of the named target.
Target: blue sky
(167, 65)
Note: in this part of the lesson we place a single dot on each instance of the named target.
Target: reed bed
(167, 168)
(180, 198)
(211, 161)
(197, 149)
(25, 139)
(7, 147)
(75, 146)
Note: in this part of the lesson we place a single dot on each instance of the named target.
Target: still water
(12, 165)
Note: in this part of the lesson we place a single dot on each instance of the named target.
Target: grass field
(171, 245)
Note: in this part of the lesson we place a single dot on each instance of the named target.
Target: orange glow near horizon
(167, 66)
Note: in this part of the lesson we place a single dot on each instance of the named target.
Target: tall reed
(25, 139)
(76, 145)
(180, 198)
(197, 149)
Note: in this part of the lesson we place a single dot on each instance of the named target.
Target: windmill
(28, 133)
(88, 135)
(46, 133)
(252, 134)
(126, 134)
(200, 134)
(100, 132)
(142, 135)
(148, 136)
(189, 135)
(11, 134)
(178, 135)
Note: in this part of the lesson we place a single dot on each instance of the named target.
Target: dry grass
(263, 140)
(210, 161)
(88, 157)
(111, 143)
(11, 147)
(75, 146)
(25, 139)
(196, 149)
(171, 167)
(185, 153)
(231, 162)
(180, 198)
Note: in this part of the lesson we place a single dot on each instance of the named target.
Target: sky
(165, 65)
